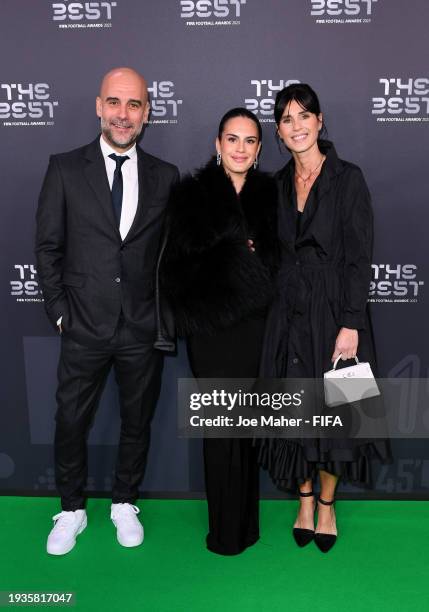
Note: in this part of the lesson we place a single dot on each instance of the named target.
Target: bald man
(99, 225)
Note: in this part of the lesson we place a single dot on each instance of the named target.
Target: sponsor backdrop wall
(367, 59)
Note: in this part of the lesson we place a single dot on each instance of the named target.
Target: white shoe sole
(129, 544)
(66, 550)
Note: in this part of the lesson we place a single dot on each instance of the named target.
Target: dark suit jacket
(87, 273)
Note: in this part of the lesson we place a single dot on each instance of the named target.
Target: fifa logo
(26, 286)
(164, 104)
(402, 97)
(265, 92)
(337, 8)
(78, 11)
(211, 8)
(394, 283)
(26, 101)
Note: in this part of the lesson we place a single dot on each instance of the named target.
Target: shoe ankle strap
(307, 494)
(326, 503)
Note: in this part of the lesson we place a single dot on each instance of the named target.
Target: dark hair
(301, 93)
(239, 112)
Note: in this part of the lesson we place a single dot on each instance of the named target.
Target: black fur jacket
(209, 276)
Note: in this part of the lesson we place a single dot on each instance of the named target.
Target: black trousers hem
(218, 549)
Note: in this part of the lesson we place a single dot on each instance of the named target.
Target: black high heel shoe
(303, 536)
(325, 541)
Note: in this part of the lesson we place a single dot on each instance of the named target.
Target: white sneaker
(129, 530)
(67, 526)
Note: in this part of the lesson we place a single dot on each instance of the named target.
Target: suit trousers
(82, 373)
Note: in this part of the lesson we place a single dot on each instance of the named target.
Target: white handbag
(348, 385)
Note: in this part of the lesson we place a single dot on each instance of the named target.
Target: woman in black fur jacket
(217, 275)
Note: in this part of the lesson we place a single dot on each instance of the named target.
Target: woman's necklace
(305, 180)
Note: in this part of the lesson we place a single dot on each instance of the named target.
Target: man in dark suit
(99, 225)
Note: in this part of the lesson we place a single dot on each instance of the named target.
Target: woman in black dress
(217, 275)
(326, 234)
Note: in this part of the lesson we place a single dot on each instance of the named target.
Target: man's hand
(250, 245)
(346, 343)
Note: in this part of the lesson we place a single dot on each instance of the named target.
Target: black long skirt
(300, 339)
(230, 465)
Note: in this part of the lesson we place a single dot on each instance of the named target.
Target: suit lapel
(148, 182)
(95, 173)
(319, 196)
(287, 212)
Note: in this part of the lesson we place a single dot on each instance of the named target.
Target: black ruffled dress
(323, 286)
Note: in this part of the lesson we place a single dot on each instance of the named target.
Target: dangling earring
(255, 163)
(218, 159)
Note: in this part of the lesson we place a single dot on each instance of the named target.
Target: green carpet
(380, 561)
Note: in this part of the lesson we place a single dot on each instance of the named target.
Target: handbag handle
(339, 357)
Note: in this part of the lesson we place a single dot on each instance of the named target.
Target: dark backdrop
(367, 59)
